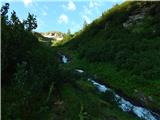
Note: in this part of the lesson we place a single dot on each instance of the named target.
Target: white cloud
(87, 11)
(94, 3)
(27, 2)
(71, 6)
(63, 19)
(86, 18)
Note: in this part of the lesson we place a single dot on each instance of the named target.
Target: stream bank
(122, 103)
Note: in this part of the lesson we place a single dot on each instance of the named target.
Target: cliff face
(54, 35)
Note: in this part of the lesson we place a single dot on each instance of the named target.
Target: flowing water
(125, 105)
(79, 70)
(64, 59)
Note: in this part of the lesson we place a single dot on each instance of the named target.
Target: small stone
(150, 98)
(135, 90)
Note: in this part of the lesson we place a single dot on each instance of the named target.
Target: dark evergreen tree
(69, 32)
(14, 19)
(31, 22)
(4, 9)
(85, 24)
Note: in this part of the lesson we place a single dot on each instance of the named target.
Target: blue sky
(61, 15)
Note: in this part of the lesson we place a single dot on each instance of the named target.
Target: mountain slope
(127, 38)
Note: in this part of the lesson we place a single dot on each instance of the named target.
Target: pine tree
(31, 22)
(69, 32)
(14, 18)
(85, 24)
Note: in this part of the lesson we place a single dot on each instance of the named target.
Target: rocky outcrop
(54, 35)
(138, 15)
(133, 19)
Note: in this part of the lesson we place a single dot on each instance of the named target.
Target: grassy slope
(82, 102)
(126, 59)
(119, 80)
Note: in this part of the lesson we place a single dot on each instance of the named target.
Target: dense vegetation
(128, 38)
(29, 69)
(35, 85)
(107, 40)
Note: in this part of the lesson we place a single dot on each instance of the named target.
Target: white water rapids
(125, 105)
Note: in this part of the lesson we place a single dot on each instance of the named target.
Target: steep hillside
(126, 37)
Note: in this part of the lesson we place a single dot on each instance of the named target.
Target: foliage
(82, 114)
(28, 70)
(123, 81)
(125, 57)
(33, 81)
(31, 22)
(88, 106)
(15, 46)
(107, 40)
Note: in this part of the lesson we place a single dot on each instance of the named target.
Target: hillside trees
(20, 45)
(14, 44)
(28, 69)
(31, 22)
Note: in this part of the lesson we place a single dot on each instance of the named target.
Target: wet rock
(58, 102)
(150, 98)
(135, 90)
(79, 70)
(142, 98)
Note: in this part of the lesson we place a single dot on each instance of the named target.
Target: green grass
(84, 103)
(132, 86)
(16, 106)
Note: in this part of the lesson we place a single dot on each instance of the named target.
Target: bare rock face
(133, 19)
(136, 17)
(54, 35)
